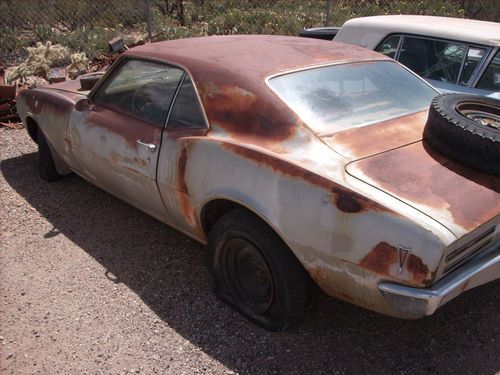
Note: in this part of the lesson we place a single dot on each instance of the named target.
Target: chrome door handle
(150, 146)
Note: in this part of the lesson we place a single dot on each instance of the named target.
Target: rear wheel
(46, 165)
(255, 272)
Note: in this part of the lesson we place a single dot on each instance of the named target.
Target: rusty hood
(393, 157)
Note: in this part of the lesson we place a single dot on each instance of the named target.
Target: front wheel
(46, 165)
(255, 272)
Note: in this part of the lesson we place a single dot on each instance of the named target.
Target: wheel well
(32, 128)
(214, 210)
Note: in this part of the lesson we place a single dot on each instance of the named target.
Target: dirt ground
(92, 285)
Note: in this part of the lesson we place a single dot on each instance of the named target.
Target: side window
(186, 111)
(434, 59)
(491, 77)
(140, 88)
(471, 65)
(389, 46)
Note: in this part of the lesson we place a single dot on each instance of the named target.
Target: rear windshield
(339, 97)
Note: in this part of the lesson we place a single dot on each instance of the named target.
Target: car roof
(254, 56)
(230, 72)
(370, 30)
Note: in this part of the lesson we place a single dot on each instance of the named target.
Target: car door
(116, 142)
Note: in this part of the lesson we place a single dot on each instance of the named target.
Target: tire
(466, 128)
(255, 272)
(46, 165)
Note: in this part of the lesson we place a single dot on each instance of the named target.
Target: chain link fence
(87, 26)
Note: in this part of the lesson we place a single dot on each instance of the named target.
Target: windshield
(339, 97)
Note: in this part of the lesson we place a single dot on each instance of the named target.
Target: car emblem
(403, 255)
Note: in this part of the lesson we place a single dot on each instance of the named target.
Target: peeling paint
(457, 196)
(383, 259)
(345, 200)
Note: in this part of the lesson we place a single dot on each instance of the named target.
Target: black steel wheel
(247, 275)
(255, 272)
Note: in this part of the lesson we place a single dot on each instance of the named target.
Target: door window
(471, 65)
(389, 46)
(491, 77)
(186, 111)
(433, 59)
(140, 88)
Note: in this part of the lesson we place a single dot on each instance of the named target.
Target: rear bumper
(410, 303)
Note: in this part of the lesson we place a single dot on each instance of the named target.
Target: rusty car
(293, 160)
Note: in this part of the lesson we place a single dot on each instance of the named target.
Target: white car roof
(370, 31)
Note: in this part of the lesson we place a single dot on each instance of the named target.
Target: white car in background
(454, 55)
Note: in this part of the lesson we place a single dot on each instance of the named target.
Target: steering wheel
(142, 103)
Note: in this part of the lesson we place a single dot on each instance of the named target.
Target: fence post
(327, 12)
(148, 19)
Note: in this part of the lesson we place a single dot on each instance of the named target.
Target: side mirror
(88, 81)
(84, 104)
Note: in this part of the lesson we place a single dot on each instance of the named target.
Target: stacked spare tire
(466, 128)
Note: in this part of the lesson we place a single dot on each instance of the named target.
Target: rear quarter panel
(346, 242)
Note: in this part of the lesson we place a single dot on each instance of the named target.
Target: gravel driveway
(92, 285)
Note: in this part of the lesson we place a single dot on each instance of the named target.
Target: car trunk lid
(393, 157)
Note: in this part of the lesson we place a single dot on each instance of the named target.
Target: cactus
(38, 63)
(79, 61)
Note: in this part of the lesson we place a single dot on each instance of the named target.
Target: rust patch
(182, 188)
(123, 159)
(135, 160)
(115, 157)
(346, 201)
(181, 170)
(384, 257)
(419, 270)
(381, 259)
(426, 179)
(247, 114)
(371, 139)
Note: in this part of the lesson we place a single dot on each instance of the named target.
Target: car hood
(393, 157)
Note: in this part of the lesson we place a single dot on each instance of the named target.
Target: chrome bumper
(410, 303)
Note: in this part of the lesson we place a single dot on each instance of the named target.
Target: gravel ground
(92, 285)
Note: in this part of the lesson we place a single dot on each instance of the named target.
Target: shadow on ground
(166, 270)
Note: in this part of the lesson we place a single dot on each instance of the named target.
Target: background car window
(141, 88)
(433, 59)
(186, 112)
(491, 77)
(343, 96)
(472, 64)
(389, 46)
